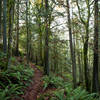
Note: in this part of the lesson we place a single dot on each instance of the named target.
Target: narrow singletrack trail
(36, 86)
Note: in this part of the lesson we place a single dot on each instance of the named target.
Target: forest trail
(36, 86)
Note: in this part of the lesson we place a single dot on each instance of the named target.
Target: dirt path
(36, 86)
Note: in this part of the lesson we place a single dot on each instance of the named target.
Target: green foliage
(66, 92)
(2, 55)
(82, 94)
(9, 91)
(78, 93)
(14, 80)
(52, 81)
(3, 60)
(59, 95)
(40, 68)
(13, 60)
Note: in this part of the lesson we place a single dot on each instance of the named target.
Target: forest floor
(36, 89)
(33, 91)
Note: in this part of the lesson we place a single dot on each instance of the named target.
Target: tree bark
(17, 40)
(80, 68)
(95, 87)
(46, 51)
(27, 31)
(71, 46)
(40, 44)
(99, 42)
(4, 26)
(85, 50)
(0, 15)
(10, 31)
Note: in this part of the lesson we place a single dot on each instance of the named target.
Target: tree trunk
(4, 26)
(71, 46)
(0, 15)
(95, 87)
(80, 68)
(82, 64)
(85, 50)
(17, 40)
(40, 44)
(36, 60)
(10, 31)
(10, 12)
(99, 42)
(27, 30)
(46, 51)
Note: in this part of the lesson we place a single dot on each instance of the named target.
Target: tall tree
(10, 17)
(40, 43)
(46, 51)
(85, 48)
(0, 15)
(99, 40)
(71, 45)
(95, 87)
(27, 31)
(17, 40)
(4, 26)
(10, 29)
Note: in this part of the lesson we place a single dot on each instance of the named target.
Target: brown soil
(34, 91)
(36, 87)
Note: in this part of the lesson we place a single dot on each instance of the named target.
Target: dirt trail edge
(36, 87)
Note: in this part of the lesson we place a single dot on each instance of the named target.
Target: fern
(53, 80)
(13, 80)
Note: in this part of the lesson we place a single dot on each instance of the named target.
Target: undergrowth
(14, 80)
(52, 81)
(64, 91)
